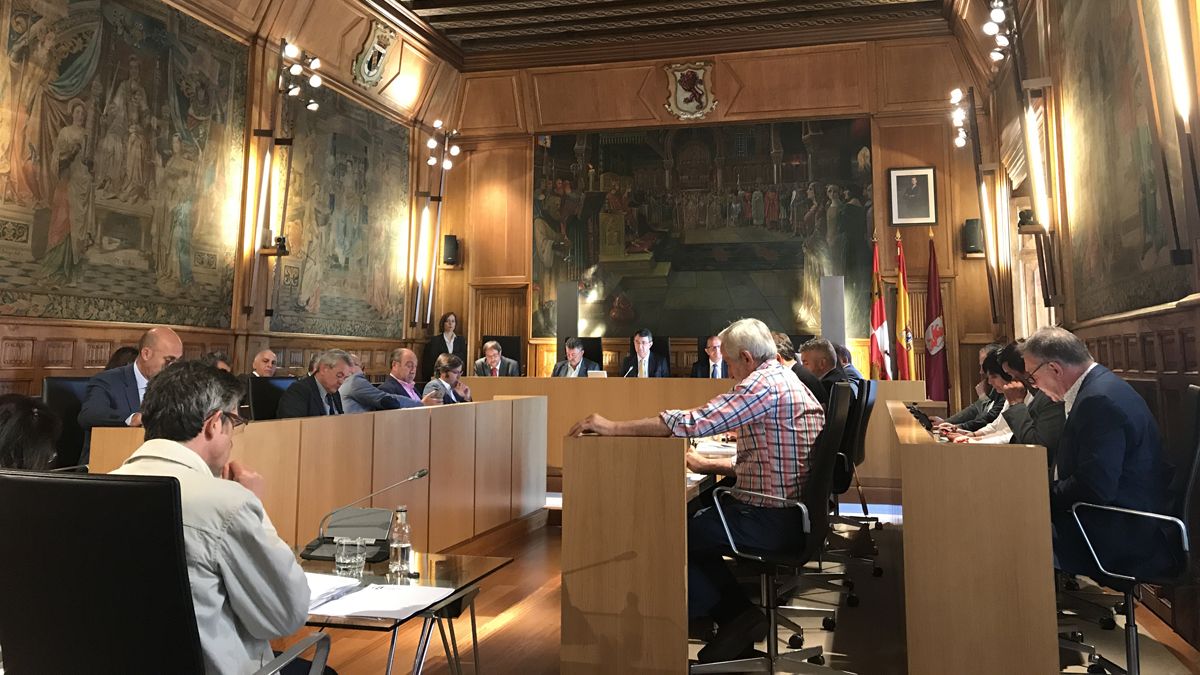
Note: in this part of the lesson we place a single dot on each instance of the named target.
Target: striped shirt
(777, 419)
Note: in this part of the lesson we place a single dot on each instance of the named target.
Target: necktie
(495, 372)
(716, 374)
(332, 407)
(641, 368)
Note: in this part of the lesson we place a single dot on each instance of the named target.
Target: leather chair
(103, 555)
(860, 546)
(64, 395)
(773, 565)
(265, 393)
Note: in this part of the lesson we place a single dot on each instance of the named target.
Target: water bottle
(399, 542)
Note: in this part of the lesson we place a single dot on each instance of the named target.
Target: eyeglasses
(1033, 372)
(233, 418)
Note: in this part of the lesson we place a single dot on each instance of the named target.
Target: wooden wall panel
(499, 213)
(335, 30)
(609, 97)
(493, 464)
(401, 448)
(529, 455)
(831, 80)
(328, 484)
(491, 105)
(917, 75)
(498, 311)
(272, 449)
(451, 475)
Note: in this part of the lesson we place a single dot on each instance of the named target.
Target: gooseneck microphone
(420, 473)
(630, 370)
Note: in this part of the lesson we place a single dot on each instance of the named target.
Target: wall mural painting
(347, 223)
(1119, 225)
(685, 230)
(121, 156)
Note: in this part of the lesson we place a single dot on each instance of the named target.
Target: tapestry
(346, 222)
(685, 230)
(1116, 197)
(121, 157)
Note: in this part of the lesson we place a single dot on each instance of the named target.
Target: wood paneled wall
(900, 85)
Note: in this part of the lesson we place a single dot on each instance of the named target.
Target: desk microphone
(630, 370)
(421, 473)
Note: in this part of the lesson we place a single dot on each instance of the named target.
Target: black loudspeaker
(972, 238)
(450, 250)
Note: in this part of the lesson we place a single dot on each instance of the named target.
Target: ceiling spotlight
(431, 161)
(431, 143)
(314, 63)
(437, 124)
(312, 105)
(293, 90)
(315, 81)
(454, 150)
(956, 95)
(1002, 40)
(296, 69)
(997, 4)
(997, 15)
(290, 50)
(991, 28)
(996, 55)
(960, 142)
(447, 165)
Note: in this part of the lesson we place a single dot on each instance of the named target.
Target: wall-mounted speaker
(450, 250)
(972, 238)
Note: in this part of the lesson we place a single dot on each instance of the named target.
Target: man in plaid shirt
(778, 420)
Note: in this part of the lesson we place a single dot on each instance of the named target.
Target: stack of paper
(325, 587)
(385, 601)
(712, 448)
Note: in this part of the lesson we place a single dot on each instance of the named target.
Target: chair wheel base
(1119, 608)
(878, 525)
(877, 572)
(1108, 623)
(796, 641)
(852, 600)
(817, 660)
(829, 623)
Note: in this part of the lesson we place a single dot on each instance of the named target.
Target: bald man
(264, 364)
(114, 397)
(401, 380)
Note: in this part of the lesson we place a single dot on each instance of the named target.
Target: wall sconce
(965, 122)
(1000, 25)
(442, 151)
(296, 70)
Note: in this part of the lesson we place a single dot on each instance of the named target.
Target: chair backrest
(857, 443)
(123, 604)
(64, 395)
(593, 350)
(265, 393)
(510, 346)
(1185, 486)
(822, 460)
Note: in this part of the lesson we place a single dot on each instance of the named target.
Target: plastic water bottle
(399, 542)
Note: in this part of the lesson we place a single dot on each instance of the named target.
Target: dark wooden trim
(415, 29)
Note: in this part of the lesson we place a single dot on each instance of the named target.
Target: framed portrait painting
(914, 196)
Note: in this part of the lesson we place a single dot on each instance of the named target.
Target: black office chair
(510, 346)
(64, 395)
(104, 556)
(853, 453)
(769, 565)
(265, 393)
(1161, 557)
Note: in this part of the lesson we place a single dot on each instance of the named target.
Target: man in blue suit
(575, 365)
(113, 398)
(714, 366)
(643, 362)
(1110, 452)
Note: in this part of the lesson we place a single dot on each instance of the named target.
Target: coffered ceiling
(491, 34)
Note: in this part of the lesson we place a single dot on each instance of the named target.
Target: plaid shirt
(778, 420)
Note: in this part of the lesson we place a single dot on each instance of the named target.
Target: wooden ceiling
(493, 34)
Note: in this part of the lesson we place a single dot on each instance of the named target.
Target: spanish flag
(881, 357)
(906, 368)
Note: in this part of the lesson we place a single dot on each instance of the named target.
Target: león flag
(881, 357)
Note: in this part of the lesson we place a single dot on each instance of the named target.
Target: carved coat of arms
(368, 67)
(690, 96)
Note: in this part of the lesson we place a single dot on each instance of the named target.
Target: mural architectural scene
(685, 230)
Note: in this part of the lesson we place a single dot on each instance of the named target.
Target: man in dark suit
(114, 397)
(359, 395)
(317, 394)
(1110, 452)
(714, 366)
(446, 383)
(819, 356)
(494, 363)
(846, 361)
(643, 362)
(401, 380)
(574, 365)
(1036, 421)
(785, 353)
(264, 364)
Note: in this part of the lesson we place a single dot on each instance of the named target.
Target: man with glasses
(445, 383)
(715, 366)
(246, 586)
(318, 394)
(1110, 452)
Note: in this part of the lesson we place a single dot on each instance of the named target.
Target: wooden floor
(518, 621)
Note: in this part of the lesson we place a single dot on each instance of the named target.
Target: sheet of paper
(712, 448)
(324, 587)
(385, 601)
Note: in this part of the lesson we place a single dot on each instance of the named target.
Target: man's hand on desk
(697, 463)
(248, 478)
(593, 423)
(432, 398)
(135, 420)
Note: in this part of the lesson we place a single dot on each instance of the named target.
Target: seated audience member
(123, 356)
(445, 342)
(317, 394)
(818, 356)
(29, 431)
(264, 365)
(1036, 420)
(400, 380)
(778, 421)
(114, 397)
(494, 363)
(219, 360)
(786, 355)
(445, 383)
(1110, 452)
(574, 365)
(996, 431)
(845, 360)
(714, 366)
(643, 362)
(247, 588)
(984, 410)
(359, 395)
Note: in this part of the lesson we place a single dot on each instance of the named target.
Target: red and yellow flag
(906, 367)
(881, 357)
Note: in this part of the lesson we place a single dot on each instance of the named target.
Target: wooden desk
(978, 569)
(487, 466)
